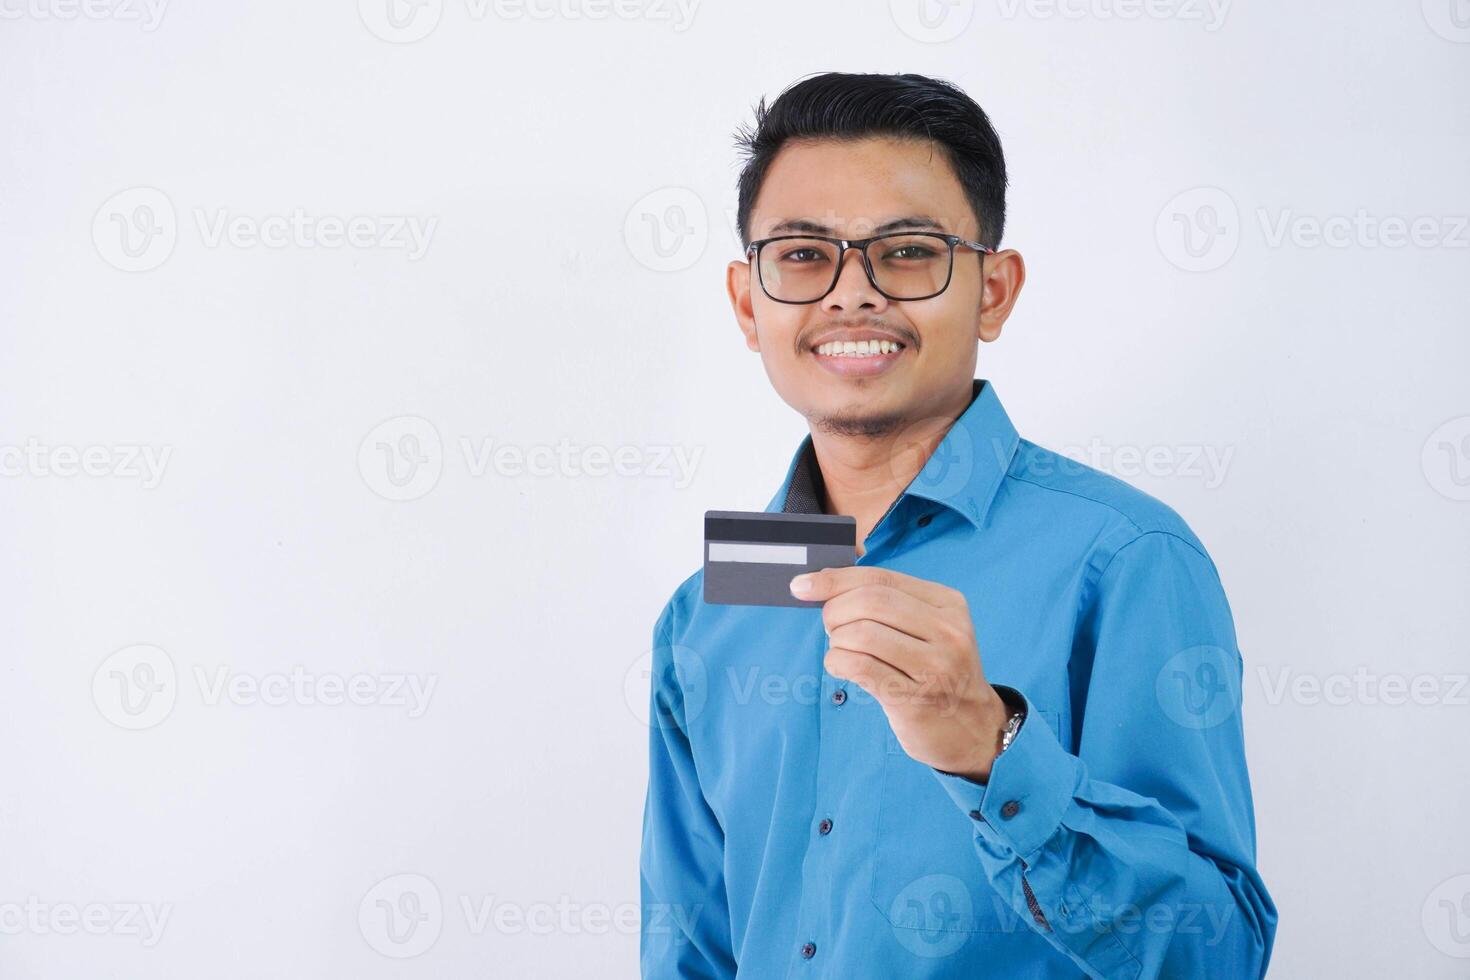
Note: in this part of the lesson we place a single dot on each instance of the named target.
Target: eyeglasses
(902, 266)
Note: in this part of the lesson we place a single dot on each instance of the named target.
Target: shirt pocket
(928, 882)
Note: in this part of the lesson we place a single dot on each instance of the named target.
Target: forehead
(854, 186)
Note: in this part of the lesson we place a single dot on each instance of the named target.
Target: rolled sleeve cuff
(1031, 785)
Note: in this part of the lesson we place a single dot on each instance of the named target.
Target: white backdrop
(367, 373)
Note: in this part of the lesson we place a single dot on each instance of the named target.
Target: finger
(898, 650)
(825, 583)
(880, 679)
(891, 607)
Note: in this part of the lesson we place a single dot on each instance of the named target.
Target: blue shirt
(787, 834)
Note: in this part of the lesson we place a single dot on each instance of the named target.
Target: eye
(911, 252)
(802, 256)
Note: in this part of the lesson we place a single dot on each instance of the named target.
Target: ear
(737, 284)
(1005, 274)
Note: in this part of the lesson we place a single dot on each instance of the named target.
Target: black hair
(844, 106)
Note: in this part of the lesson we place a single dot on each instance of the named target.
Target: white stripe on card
(769, 554)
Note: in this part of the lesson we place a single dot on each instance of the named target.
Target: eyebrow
(802, 226)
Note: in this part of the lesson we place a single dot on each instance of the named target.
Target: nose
(854, 290)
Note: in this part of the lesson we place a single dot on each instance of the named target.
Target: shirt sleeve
(1136, 856)
(684, 930)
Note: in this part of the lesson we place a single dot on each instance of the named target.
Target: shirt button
(809, 950)
(839, 696)
(924, 521)
(977, 815)
(1010, 809)
(825, 827)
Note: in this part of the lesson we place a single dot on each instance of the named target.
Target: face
(856, 190)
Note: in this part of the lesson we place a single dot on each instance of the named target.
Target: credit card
(750, 557)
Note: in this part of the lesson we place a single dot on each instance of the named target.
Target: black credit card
(750, 557)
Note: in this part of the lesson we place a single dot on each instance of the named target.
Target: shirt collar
(963, 473)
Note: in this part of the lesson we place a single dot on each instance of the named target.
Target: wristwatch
(1017, 704)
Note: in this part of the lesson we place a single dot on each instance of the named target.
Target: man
(1009, 742)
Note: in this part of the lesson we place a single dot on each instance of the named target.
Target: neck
(864, 474)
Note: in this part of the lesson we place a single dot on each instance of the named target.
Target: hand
(911, 644)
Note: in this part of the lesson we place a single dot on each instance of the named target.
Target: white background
(544, 311)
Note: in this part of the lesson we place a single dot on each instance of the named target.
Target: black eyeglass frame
(861, 245)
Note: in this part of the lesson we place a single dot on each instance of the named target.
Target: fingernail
(801, 585)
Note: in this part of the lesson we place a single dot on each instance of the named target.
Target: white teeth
(857, 348)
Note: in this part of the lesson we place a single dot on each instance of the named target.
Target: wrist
(1003, 717)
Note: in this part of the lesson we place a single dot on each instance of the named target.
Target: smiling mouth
(858, 348)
